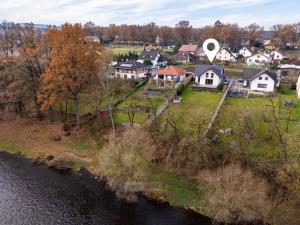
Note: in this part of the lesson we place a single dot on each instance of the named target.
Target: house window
(260, 78)
(125, 76)
(132, 77)
(209, 81)
(266, 78)
(262, 85)
(250, 60)
(118, 75)
(207, 75)
(258, 56)
(211, 75)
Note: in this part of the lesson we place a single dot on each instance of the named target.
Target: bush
(220, 86)
(180, 89)
(236, 196)
(288, 181)
(283, 89)
(125, 163)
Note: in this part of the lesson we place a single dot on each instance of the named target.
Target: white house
(156, 57)
(258, 59)
(245, 52)
(208, 76)
(260, 80)
(130, 70)
(226, 55)
(277, 55)
(168, 77)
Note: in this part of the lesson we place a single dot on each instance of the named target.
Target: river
(36, 195)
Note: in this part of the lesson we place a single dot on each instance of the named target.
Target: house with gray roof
(130, 70)
(225, 54)
(208, 76)
(260, 80)
(156, 58)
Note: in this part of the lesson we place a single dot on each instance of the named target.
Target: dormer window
(260, 78)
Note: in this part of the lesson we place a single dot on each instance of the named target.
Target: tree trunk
(19, 108)
(38, 110)
(51, 116)
(76, 108)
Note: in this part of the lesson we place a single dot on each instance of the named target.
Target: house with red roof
(169, 77)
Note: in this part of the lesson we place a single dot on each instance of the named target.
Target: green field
(123, 50)
(195, 107)
(264, 143)
(137, 100)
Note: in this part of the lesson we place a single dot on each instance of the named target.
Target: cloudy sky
(163, 12)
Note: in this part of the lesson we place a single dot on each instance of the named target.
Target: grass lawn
(137, 100)
(123, 50)
(233, 69)
(188, 66)
(179, 191)
(195, 106)
(258, 109)
(293, 53)
(34, 139)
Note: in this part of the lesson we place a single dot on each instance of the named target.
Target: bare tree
(281, 122)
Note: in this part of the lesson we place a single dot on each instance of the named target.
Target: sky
(163, 12)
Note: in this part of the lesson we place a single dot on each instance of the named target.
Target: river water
(36, 195)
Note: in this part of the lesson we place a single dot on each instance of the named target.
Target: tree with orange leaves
(74, 66)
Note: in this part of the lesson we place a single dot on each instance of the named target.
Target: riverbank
(80, 150)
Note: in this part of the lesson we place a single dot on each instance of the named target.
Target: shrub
(180, 89)
(125, 163)
(220, 86)
(283, 89)
(236, 195)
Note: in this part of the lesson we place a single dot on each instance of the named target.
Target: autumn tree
(254, 33)
(166, 35)
(112, 32)
(183, 31)
(149, 32)
(30, 63)
(74, 67)
(284, 33)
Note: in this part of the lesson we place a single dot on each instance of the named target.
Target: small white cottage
(208, 76)
(226, 55)
(261, 80)
(258, 59)
(277, 55)
(245, 52)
